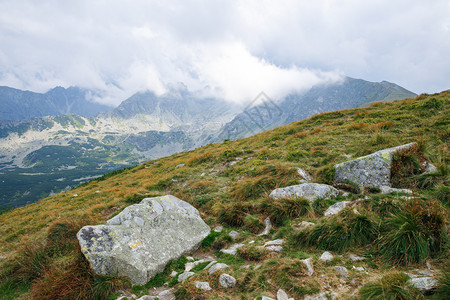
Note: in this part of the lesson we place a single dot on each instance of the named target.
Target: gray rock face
(227, 281)
(310, 191)
(143, 238)
(371, 170)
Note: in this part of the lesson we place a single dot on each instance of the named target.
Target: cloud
(229, 49)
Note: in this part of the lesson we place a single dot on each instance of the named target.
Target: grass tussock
(391, 286)
(287, 208)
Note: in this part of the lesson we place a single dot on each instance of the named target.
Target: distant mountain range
(42, 155)
(18, 105)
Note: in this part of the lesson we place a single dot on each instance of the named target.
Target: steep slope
(229, 183)
(323, 98)
(18, 105)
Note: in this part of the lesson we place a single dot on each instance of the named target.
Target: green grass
(42, 252)
(391, 286)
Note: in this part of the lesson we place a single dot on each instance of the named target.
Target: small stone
(179, 166)
(203, 285)
(173, 274)
(274, 242)
(303, 225)
(189, 266)
(354, 257)
(75, 195)
(227, 281)
(274, 248)
(304, 175)
(281, 295)
(234, 234)
(97, 191)
(389, 190)
(183, 276)
(429, 168)
(309, 266)
(336, 208)
(232, 250)
(218, 228)
(203, 174)
(268, 227)
(217, 267)
(423, 284)
(266, 298)
(166, 295)
(342, 270)
(190, 258)
(360, 269)
(321, 296)
(147, 297)
(326, 256)
(310, 191)
(428, 264)
(210, 264)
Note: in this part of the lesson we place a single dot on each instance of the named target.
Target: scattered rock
(234, 234)
(143, 238)
(429, 168)
(354, 257)
(75, 195)
(183, 276)
(389, 190)
(303, 225)
(304, 175)
(218, 228)
(274, 248)
(360, 269)
(424, 284)
(217, 267)
(147, 297)
(309, 266)
(166, 295)
(210, 264)
(179, 166)
(274, 242)
(173, 274)
(336, 208)
(370, 170)
(310, 191)
(321, 296)
(268, 227)
(425, 273)
(203, 285)
(342, 270)
(227, 281)
(326, 256)
(232, 250)
(266, 298)
(203, 174)
(190, 258)
(282, 295)
(189, 266)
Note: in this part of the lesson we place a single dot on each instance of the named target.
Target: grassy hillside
(229, 183)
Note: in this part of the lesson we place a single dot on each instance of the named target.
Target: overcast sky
(229, 49)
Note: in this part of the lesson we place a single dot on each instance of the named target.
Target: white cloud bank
(229, 49)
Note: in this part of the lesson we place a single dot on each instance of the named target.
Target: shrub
(390, 286)
(287, 208)
(414, 233)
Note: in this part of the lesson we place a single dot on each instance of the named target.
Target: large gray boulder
(310, 191)
(370, 170)
(143, 238)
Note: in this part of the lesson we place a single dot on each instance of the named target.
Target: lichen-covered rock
(423, 284)
(227, 281)
(371, 170)
(143, 238)
(326, 256)
(310, 191)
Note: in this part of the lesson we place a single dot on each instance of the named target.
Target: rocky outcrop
(310, 191)
(143, 238)
(372, 170)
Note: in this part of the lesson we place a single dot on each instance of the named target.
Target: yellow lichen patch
(132, 246)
